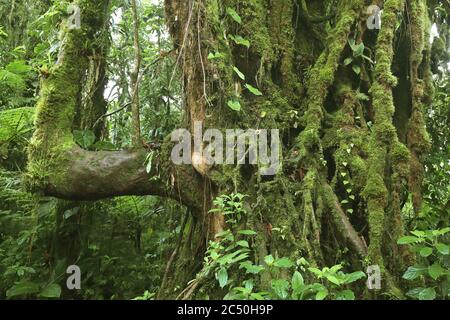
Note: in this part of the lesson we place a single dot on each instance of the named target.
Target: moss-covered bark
(338, 195)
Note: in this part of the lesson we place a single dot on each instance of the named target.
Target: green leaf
(269, 260)
(104, 146)
(51, 291)
(322, 294)
(215, 55)
(233, 14)
(316, 271)
(222, 277)
(443, 231)
(345, 295)
(84, 138)
(356, 69)
(297, 281)
(18, 67)
(427, 294)
(240, 41)
(414, 293)
(351, 42)
(355, 276)
(348, 61)
(408, 240)
(414, 272)
(281, 287)
(243, 243)
(284, 263)
(426, 252)
(234, 105)
(435, 271)
(253, 90)
(334, 279)
(239, 73)
(442, 248)
(359, 50)
(247, 232)
(71, 212)
(419, 234)
(251, 268)
(22, 288)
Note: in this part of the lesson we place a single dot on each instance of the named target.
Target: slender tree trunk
(135, 79)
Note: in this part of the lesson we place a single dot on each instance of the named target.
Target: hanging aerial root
(418, 139)
(384, 134)
(342, 222)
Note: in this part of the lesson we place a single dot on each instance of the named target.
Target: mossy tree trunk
(352, 142)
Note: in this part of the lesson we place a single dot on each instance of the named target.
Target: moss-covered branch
(58, 167)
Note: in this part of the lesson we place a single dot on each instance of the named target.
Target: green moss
(59, 100)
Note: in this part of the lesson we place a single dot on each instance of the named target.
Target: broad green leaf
(442, 248)
(334, 279)
(269, 260)
(239, 73)
(253, 90)
(284, 263)
(435, 271)
(241, 41)
(18, 67)
(234, 105)
(316, 271)
(414, 272)
(355, 276)
(281, 287)
(243, 243)
(297, 281)
(414, 293)
(22, 288)
(84, 138)
(51, 291)
(345, 295)
(251, 268)
(359, 50)
(408, 240)
(443, 231)
(427, 294)
(232, 13)
(426, 252)
(222, 277)
(322, 294)
(356, 69)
